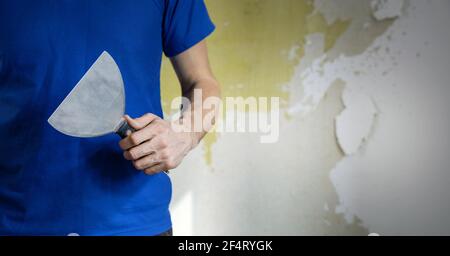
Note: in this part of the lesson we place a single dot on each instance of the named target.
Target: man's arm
(158, 144)
(194, 73)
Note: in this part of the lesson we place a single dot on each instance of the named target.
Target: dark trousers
(167, 233)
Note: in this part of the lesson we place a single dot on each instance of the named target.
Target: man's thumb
(140, 122)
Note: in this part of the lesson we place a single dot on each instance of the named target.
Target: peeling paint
(243, 25)
(386, 9)
(317, 24)
(309, 73)
(276, 32)
(353, 125)
(396, 183)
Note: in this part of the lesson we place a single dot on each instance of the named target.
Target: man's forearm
(196, 110)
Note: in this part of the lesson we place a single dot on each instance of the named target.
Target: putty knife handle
(124, 129)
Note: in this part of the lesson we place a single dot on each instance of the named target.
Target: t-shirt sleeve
(186, 22)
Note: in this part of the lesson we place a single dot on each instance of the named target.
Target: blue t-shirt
(53, 184)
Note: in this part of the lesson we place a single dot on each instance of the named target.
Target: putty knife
(96, 104)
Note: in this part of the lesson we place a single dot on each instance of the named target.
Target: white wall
(397, 183)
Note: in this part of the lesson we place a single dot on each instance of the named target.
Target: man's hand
(159, 145)
(155, 146)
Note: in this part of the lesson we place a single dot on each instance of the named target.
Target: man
(53, 184)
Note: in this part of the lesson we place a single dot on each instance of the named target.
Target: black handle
(124, 129)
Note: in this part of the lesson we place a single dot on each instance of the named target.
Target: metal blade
(95, 105)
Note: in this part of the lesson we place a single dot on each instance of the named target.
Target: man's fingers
(136, 138)
(141, 150)
(146, 162)
(140, 136)
(140, 122)
(154, 169)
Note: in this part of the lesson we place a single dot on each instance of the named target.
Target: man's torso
(54, 184)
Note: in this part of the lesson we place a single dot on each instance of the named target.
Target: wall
(363, 142)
